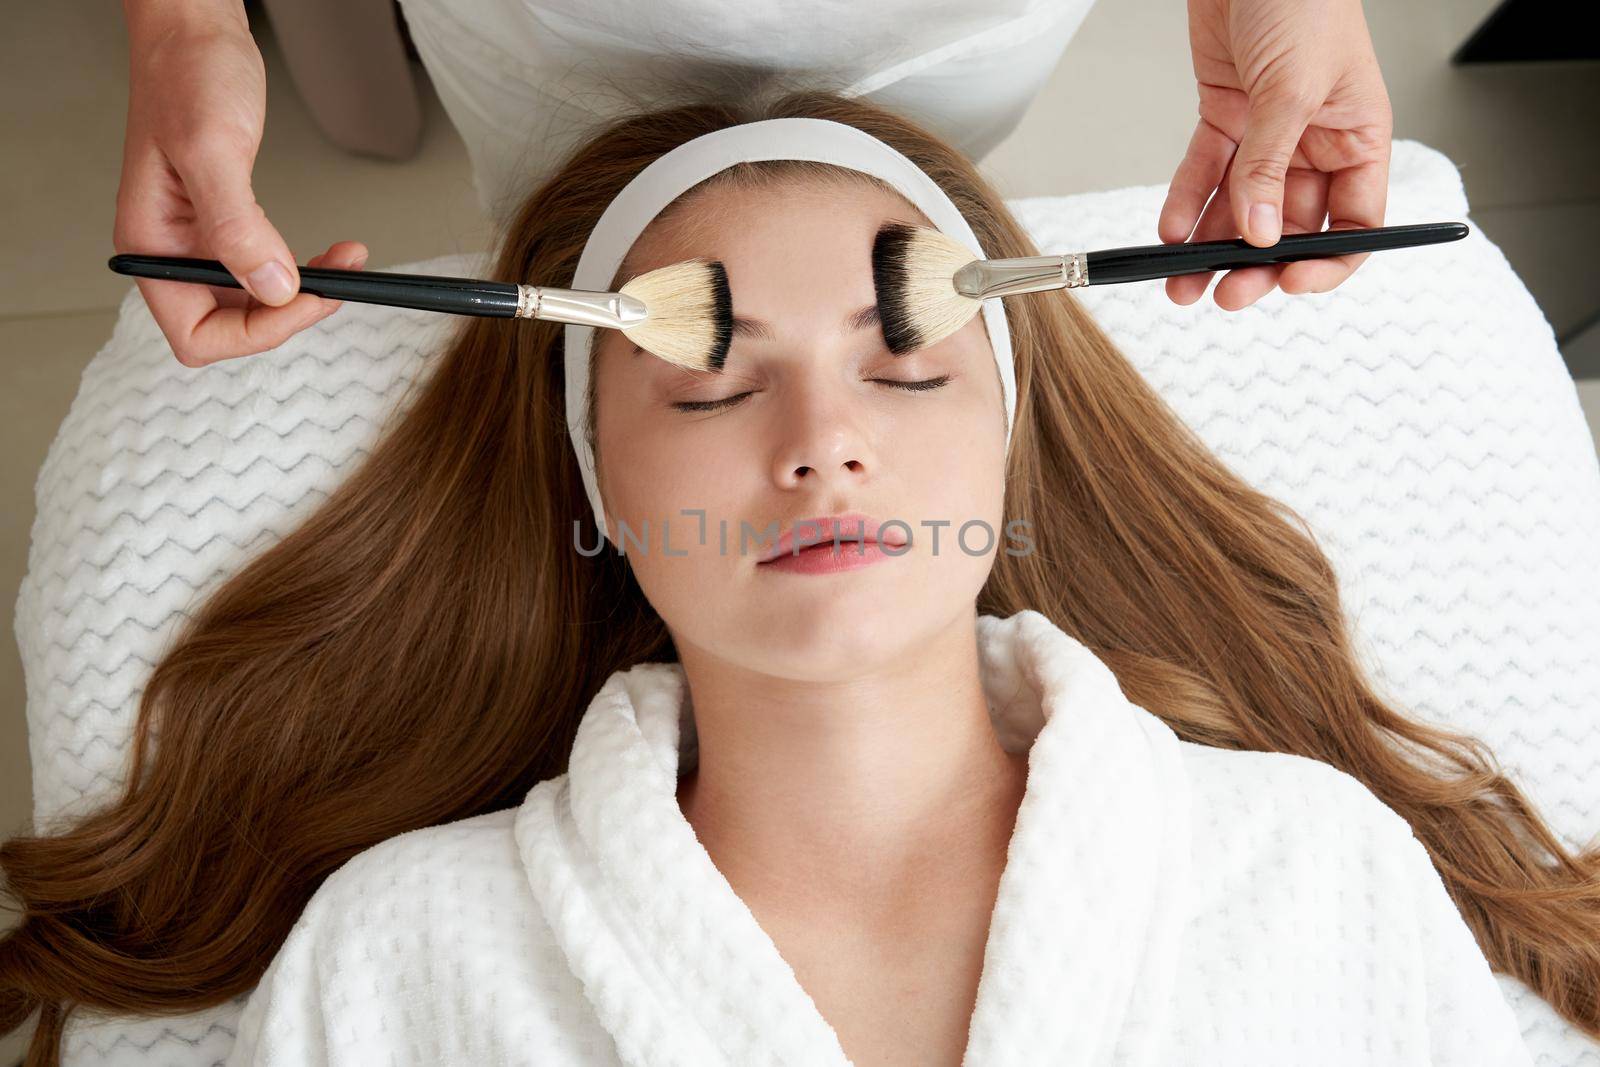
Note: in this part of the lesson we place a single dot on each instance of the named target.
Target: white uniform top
(525, 80)
(1163, 904)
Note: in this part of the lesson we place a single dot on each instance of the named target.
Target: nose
(823, 437)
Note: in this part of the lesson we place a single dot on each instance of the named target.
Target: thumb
(1272, 130)
(236, 229)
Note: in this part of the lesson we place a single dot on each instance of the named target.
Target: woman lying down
(1059, 756)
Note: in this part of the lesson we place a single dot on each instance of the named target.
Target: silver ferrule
(615, 311)
(1026, 274)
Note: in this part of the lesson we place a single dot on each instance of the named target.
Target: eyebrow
(865, 319)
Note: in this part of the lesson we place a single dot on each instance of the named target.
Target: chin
(818, 636)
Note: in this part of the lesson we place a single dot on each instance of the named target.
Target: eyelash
(714, 405)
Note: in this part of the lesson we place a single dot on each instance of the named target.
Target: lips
(821, 530)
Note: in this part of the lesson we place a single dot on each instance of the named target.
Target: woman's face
(804, 420)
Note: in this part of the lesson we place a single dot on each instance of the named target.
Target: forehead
(787, 226)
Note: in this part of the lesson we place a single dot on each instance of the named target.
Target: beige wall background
(1523, 135)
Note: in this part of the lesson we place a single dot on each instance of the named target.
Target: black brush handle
(1139, 262)
(425, 292)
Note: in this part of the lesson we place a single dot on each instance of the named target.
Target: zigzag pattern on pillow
(1419, 417)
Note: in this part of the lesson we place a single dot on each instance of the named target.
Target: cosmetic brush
(682, 312)
(929, 285)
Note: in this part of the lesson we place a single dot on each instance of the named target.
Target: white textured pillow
(1419, 416)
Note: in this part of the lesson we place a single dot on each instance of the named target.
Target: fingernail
(271, 283)
(1264, 222)
(362, 262)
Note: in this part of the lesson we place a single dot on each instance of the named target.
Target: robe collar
(1083, 939)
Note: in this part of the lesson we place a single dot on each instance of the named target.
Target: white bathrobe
(525, 81)
(1163, 903)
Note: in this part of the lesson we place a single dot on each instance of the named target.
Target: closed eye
(915, 387)
(730, 401)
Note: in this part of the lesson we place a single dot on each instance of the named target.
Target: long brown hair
(421, 649)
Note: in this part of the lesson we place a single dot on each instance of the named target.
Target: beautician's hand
(1294, 124)
(196, 108)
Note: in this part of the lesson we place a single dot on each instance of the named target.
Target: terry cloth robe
(1163, 903)
(525, 82)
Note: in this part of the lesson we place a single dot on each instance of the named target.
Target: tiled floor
(1523, 135)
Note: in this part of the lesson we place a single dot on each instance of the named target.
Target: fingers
(341, 255)
(1216, 224)
(231, 223)
(1198, 176)
(227, 332)
(1305, 197)
(1277, 120)
(1356, 199)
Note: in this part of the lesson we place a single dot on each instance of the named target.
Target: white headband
(668, 177)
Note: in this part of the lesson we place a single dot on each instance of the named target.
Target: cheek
(654, 462)
(653, 478)
(961, 478)
(966, 433)
(957, 460)
(651, 469)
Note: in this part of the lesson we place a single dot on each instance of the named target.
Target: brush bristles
(689, 319)
(913, 268)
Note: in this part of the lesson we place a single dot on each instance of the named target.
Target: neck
(886, 788)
